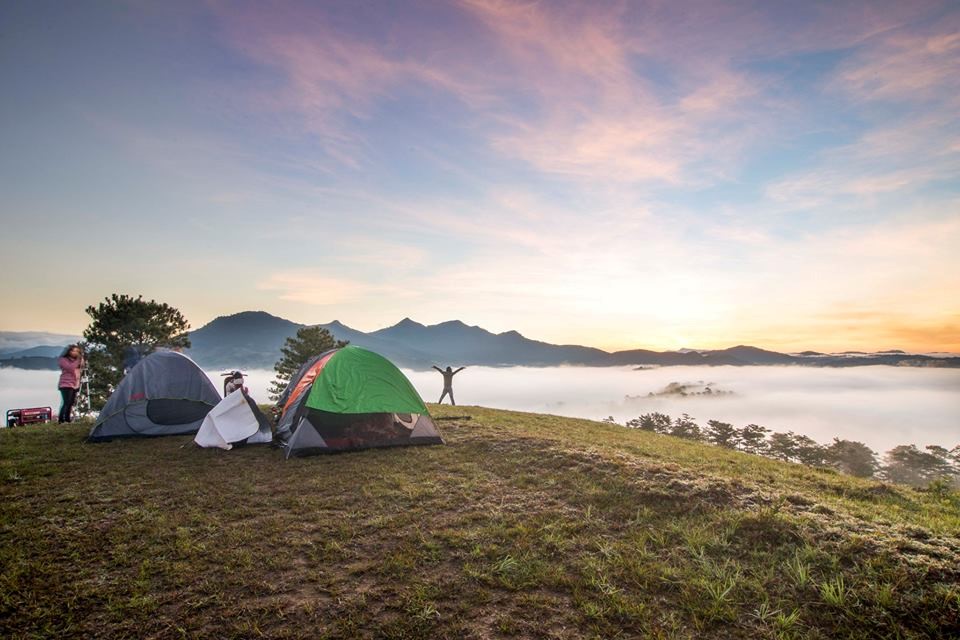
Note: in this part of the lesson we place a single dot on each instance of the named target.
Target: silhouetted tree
(721, 434)
(753, 439)
(309, 342)
(809, 451)
(905, 464)
(656, 422)
(941, 453)
(782, 446)
(908, 465)
(950, 469)
(851, 457)
(122, 322)
(661, 422)
(685, 427)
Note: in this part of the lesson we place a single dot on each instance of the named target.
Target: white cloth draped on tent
(234, 420)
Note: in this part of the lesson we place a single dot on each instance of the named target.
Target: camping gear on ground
(165, 394)
(351, 398)
(31, 415)
(83, 405)
(234, 421)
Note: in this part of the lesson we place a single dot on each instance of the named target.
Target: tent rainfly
(165, 394)
(351, 398)
(236, 420)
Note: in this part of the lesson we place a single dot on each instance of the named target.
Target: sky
(618, 174)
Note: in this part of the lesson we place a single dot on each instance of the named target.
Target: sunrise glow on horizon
(622, 174)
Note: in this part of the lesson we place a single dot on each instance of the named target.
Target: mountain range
(32, 349)
(253, 339)
(19, 343)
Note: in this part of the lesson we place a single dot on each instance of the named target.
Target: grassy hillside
(524, 525)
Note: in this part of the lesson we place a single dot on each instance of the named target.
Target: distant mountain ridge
(250, 339)
(12, 342)
(35, 350)
(253, 339)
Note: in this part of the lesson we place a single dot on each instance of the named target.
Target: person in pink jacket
(71, 370)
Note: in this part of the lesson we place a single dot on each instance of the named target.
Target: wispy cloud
(560, 89)
(598, 116)
(328, 78)
(906, 65)
(316, 287)
(904, 84)
(652, 173)
(569, 89)
(614, 99)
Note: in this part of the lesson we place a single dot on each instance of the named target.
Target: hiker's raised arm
(459, 370)
(438, 368)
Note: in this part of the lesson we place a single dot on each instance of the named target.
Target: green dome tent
(348, 399)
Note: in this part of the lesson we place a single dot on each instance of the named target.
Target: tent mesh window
(174, 411)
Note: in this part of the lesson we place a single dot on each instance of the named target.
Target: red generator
(33, 415)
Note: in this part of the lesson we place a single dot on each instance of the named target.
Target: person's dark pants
(68, 396)
(444, 394)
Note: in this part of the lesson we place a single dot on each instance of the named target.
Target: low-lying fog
(880, 406)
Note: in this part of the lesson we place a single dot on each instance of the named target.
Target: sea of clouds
(880, 406)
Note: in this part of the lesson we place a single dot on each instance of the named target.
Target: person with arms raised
(447, 374)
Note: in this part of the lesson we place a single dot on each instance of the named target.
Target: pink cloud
(600, 118)
(596, 116)
(590, 108)
(584, 39)
(326, 76)
(599, 147)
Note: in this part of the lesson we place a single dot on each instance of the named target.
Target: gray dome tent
(165, 394)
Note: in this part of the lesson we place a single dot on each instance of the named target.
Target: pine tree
(809, 451)
(854, 458)
(656, 422)
(685, 427)
(908, 465)
(783, 446)
(122, 322)
(309, 342)
(721, 434)
(753, 439)
(659, 422)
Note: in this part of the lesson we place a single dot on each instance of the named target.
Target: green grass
(524, 525)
